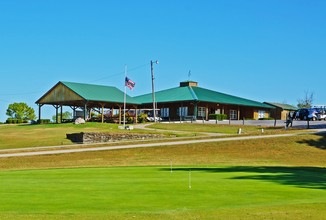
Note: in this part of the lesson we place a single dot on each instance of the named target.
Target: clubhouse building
(186, 101)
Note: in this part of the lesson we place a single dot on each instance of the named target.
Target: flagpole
(124, 101)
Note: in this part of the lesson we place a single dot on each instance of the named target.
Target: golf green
(158, 190)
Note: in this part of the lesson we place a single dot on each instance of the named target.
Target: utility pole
(153, 91)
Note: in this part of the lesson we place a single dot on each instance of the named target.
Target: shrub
(265, 118)
(129, 120)
(12, 121)
(219, 117)
(142, 118)
(15, 121)
(44, 121)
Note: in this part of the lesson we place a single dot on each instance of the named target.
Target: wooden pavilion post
(60, 113)
(56, 113)
(206, 112)
(136, 116)
(120, 115)
(39, 113)
(85, 111)
(102, 113)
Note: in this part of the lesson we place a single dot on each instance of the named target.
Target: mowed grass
(156, 192)
(274, 178)
(222, 128)
(25, 136)
(22, 136)
(301, 150)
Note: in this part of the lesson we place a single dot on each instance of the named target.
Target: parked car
(307, 114)
(321, 115)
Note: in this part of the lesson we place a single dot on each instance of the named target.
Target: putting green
(150, 190)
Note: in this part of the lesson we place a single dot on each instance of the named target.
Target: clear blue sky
(262, 50)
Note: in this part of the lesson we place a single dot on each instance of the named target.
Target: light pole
(153, 92)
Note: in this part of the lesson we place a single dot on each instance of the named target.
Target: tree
(65, 115)
(307, 101)
(20, 111)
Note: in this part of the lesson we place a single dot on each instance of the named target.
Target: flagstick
(189, 178)
(124, 101)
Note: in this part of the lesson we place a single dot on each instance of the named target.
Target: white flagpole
(124, 101)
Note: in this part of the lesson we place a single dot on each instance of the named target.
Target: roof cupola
(188, 83)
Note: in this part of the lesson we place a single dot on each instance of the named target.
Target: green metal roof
(189, 93)
(169, 95)
(99, 92)
(282, 106)
(87, 92)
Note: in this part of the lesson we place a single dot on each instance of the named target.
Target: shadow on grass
(320, 143)
(303, 177)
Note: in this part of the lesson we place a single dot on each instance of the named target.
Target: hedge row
(266, 118)
(15, 121)
(44, 121)
(219, 117)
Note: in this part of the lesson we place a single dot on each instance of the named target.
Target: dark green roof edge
(282, 106)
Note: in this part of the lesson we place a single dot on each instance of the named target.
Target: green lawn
(155, 192)
(275, 178)
(221, 128)
(21, 136)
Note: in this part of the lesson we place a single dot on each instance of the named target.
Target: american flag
(129, 83)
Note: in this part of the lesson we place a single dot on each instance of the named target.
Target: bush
(12, 121)
(44, 121)
(142, 118)
(219, 117)
(129, 120)
(15, 121)
(265, 118)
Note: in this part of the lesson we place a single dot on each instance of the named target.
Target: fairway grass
(300, 150)
(156, 192)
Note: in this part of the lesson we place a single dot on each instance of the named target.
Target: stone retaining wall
(100, 137)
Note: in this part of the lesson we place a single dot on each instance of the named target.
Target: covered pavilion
(86, 97)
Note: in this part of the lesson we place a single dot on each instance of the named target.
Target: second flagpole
(124, 100)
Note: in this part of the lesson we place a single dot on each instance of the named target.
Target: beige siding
(60, 94)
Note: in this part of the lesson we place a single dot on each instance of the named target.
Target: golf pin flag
(129, 83)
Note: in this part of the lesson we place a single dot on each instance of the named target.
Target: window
(182, 111)
(165, 112)
(233, 114)
(201, 111)
(261, 114)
